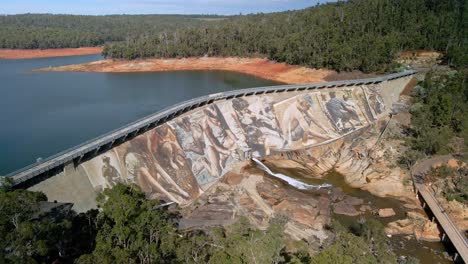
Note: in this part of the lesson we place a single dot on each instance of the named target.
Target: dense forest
(41, 31)
(128, 228)
(351, 35)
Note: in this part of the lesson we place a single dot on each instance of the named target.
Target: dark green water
(45, 113)
(426, 252)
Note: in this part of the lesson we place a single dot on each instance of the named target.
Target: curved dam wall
(183, 156)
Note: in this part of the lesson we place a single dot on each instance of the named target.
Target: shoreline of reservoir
(258, 67)
(15, 54)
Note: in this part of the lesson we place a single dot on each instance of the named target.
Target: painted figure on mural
(197, 145)
(375, 100)
(296, 122)
(109, 172)
(258, 124)
(169, 155)
(343, 112)
(219, 143)
(148, 174)
(165, 143)
(208, 143)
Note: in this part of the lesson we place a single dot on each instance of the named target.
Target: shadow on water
(426, 252)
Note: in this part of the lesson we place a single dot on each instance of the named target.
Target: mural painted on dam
(343, 110)
(178, 160)
(254, 125)
(208, 143)
(104, 171)
(302, 122)
(374, 99)
(154, 161)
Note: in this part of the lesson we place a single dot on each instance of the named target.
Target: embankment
(13, 54)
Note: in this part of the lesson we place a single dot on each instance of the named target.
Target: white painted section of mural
(179, 160)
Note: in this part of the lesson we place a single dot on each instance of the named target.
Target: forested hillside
(353, 35)
(41, 31)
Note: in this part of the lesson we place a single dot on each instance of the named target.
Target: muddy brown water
(426, 252)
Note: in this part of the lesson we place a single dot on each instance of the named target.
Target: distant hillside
(354, 35)
(41, 31)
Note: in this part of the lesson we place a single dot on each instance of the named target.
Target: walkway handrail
(171, 112)
(442, 209)
(454, 234)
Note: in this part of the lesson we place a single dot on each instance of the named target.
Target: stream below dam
(426, 252)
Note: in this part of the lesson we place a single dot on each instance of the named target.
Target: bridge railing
(169, 113)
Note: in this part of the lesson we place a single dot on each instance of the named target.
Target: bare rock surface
(386, 212)
(416, 224)
(247, 191)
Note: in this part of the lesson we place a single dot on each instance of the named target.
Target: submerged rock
(386, 212)
(344, 208)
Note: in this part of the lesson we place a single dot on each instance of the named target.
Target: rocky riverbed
(365, 181)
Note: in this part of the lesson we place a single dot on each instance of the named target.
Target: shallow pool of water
(426, 252)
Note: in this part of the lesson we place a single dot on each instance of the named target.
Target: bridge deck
(457, 238)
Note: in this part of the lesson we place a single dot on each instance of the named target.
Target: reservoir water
(45, 113)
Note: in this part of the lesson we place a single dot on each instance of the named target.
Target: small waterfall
(291, 181)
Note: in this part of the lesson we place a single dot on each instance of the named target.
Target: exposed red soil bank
(262, 68)
(12, 54)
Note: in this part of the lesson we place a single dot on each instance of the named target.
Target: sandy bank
(12, 54)
(261, 68)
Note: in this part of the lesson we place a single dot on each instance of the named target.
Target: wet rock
(344, 208)
(412, 206)
(365, 208)
(428, 232)
(353, 201)
(337, 194)
(416, 224)
(386, 212)
(248, 192)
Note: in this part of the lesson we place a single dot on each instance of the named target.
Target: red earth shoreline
(259, 67)
(13, 54)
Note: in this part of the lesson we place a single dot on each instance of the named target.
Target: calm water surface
(45, 113)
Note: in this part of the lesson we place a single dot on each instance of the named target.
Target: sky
(102, 7)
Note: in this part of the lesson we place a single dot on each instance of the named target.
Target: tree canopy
(43, 31)
(128, 228)
(362, 35)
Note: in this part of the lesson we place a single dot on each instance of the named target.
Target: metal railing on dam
(91, 148)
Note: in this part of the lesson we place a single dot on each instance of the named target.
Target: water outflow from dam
(291, 181)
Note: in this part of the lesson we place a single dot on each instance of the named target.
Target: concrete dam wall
(183, 156)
